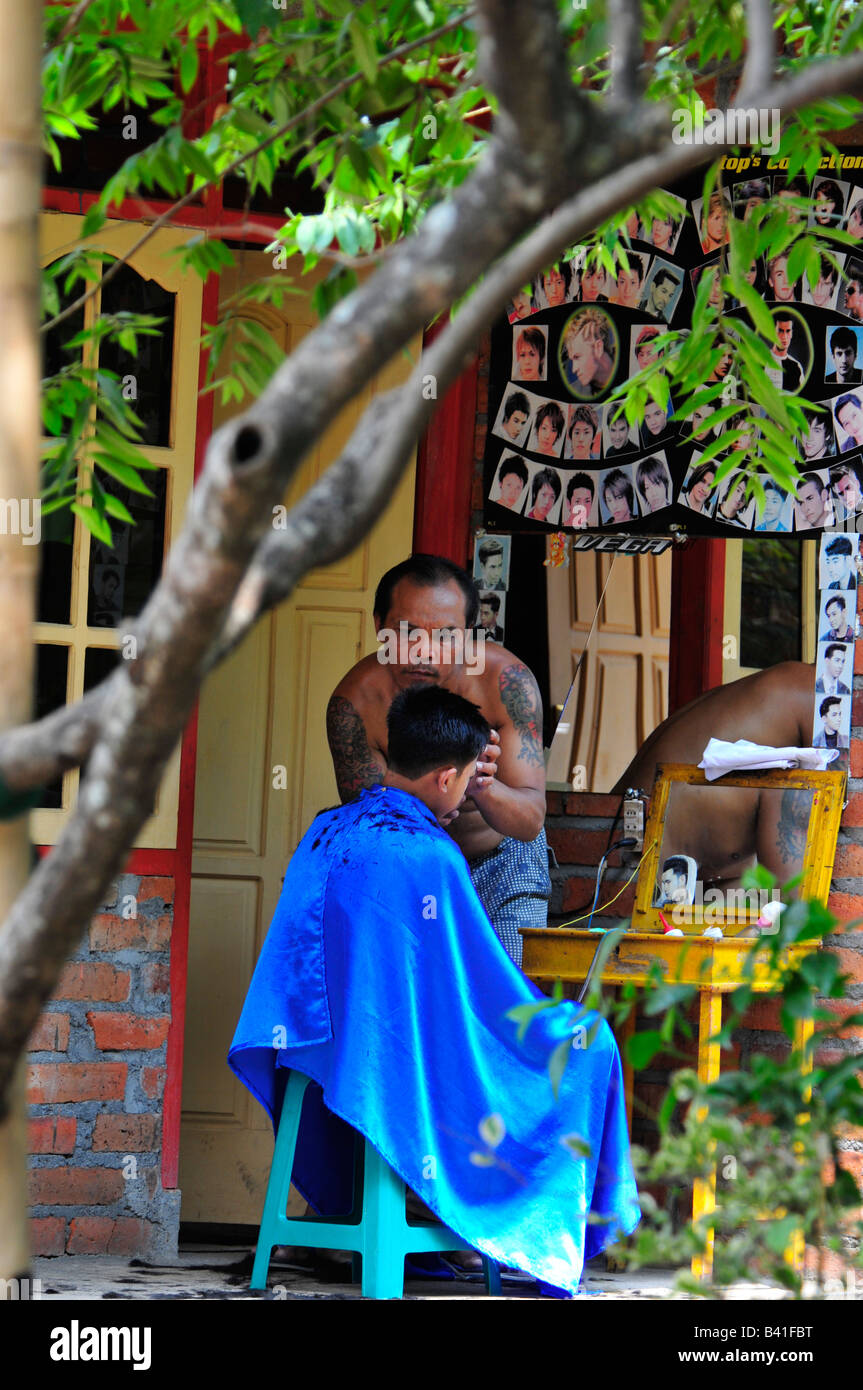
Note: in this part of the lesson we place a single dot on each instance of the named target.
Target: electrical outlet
(633, 820)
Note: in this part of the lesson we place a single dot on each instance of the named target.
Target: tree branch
(761, 51)
(312, 109)
(626, 41)
(71, 24)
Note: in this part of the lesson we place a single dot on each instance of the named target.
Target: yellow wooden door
(622, 689)
(263, 773)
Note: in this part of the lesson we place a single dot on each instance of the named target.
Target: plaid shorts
(514, 887)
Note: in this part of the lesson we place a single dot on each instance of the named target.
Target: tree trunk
(20, 177)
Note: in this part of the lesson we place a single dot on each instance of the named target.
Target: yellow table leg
(704, 1189)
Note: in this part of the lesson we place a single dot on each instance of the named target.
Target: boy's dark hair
(427, 571)
(431, 728)
(513, 464)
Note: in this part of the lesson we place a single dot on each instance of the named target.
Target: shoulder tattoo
(793, 825)
(520, 696)
(355, 763)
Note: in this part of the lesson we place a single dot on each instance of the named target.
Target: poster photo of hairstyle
(556, 285)
(748, 195)
(549, 424)
(837, 615)
(592, 282)
(657, 423)
(589, 353)
(584, 433)
(823, 294)
(698, 423)
(617, 504)
(850, 298)
(544, 495)
(854, 220)
(653, 483)
(515, 414)
(780, 288)
(819, 441)
(662, 290)
(628, 288)
(712, 221)
(492, 615)
(521, 306)
(710, 268)
(697, 491)
(579, 503)
(509, 488)
(643, 349)
(491, 562)
(747, 421)
(663, 230)
(834, 669)
(618, 435)
(843, 355)
(777, 514)
(530, 353)
(831, 726)
(846, 486)
(791, 189)
(733, 508)
(830, 198)
(791, 350)
(838, 560)
(848, 416)
(813, 506)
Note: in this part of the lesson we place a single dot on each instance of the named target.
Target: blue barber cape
(382, 979)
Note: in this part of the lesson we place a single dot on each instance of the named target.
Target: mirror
(702, 836)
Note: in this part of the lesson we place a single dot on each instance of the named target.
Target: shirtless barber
(725, 828)
(500, 826)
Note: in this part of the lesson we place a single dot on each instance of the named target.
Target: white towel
(720, 757)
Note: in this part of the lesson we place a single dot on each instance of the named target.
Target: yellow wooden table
(714, 967)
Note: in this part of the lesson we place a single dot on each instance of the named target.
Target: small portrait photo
(678, 875)
(491, 562)
(837, 616)
(823, 294)
(620, 437)
(662, 290)
(628, 289)
(698, 423)
(778, 513)
(712, 221)
(780, 287)
(653, 483)
(745, 422)
(589, 353)
(843, 355)
(544, 495)
(831, 726)
(748, 196)
(556, 285)
(521, 306)
(529, 353)
(584, 433)
(593, 284)
(546, 437)
(838, 561)
(846, 485)
(643, 349)
(791, 350)
(634, 227)
(492, 614)
(105, 608)
(830, 197)
(579, 508)
(711, 269)
(848, 414)
(854, 220)
(698, 492)
(617, 504)
(732, 507)
(510, 483)
(791, 190)
(663, 230)
(515, 414)
(834, 669)
(849, 301)
(813, 505)
(757, 278)
(658, 424)
(818, 442)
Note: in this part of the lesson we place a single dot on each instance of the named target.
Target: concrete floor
(214, 1272)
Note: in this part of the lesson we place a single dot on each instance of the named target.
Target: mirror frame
(821, 837)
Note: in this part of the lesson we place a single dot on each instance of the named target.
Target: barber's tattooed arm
(520, 696)
(792, 826)
(356, 765)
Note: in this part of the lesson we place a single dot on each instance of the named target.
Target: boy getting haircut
(430, 728)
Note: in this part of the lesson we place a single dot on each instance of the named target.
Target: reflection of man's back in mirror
(725, 833)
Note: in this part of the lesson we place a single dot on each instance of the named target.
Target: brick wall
(95, 1086)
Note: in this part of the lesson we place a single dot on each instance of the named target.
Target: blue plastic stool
(379, 1233)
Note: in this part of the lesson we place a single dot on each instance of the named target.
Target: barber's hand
(486, 767)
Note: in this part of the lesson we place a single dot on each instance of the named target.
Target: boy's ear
(444, 778)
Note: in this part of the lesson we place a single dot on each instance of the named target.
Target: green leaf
(123, 473)
(481, 1160)
(557, 1064)
(188, 66)
(642, 1047)
(363, 50)
(94, 523)
(778, 1234)
(114, 507)
(492, 1130)
(575, 1145)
